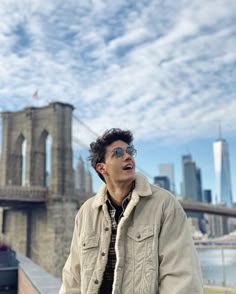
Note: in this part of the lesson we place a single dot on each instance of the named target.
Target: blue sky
(164, 69)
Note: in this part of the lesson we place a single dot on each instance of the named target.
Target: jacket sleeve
(179, 269)
(71, 281)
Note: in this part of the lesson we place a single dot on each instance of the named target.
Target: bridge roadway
(16, 195)
(193, 206)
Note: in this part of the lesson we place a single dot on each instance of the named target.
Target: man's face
(118, 168)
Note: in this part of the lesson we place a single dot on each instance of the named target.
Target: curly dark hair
(98, 149)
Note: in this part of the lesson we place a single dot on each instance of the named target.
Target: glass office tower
(167, 169)
(222, 172)
(191, 179)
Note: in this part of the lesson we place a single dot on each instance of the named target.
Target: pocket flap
(140, 233)
(89, 241)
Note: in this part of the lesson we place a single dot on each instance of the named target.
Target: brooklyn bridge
(39, 218)
(18, 196)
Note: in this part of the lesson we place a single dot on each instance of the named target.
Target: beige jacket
(154, 247)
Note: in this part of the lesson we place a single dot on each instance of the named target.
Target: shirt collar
(142, 189)
(124, 203)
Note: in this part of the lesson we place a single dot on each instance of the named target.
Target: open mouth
(128, 167)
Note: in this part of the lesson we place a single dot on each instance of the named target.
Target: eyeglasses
(118, 151)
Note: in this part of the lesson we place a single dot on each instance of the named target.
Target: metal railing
(218, 266)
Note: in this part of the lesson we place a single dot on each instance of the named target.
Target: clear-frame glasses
(119, 152)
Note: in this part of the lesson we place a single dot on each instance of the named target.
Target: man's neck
(119, 192)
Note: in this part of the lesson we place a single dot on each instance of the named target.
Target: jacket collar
(142, 189)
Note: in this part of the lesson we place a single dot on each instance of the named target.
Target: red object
(35, 95)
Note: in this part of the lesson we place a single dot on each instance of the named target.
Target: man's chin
(132, 177)
(128, 178)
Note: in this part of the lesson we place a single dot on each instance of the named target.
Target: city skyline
(156, 68)
(202, 154)
(148, 161)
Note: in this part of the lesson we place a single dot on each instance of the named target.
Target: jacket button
(103, 253)
(96, 282)
(138, 236)
(106, 229)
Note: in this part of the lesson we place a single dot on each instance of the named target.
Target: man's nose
(127, 155)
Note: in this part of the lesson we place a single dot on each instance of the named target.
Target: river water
(218, 266)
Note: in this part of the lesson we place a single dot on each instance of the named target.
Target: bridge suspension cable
(86, 126)
(80, 143)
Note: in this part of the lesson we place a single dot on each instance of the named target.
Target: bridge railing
(20, 193)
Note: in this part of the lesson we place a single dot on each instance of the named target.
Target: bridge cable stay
(81, 144)
(86, 126)
(96, 135)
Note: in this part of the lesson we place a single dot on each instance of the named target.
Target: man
(132, 237)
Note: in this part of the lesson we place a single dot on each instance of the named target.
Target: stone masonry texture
(42, 231)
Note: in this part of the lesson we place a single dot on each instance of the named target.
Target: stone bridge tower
(34, 125)
(40, 230)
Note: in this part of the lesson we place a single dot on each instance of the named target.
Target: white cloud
(164, 70)
(132, 38)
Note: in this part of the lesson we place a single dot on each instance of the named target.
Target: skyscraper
(207, 196)
(162, 181)
(222, 172)
(83, 177)
(88, 181)
(80, 175)
(167, 169)
(192, 185)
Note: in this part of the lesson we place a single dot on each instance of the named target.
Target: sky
(166, 70)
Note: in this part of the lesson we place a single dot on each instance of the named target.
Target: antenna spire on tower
(220, 133)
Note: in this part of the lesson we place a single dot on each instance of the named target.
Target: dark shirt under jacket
(115, 212)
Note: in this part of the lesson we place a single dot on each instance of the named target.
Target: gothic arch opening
(45, 157)
(18, 162)
(48, 159)
(23, 171)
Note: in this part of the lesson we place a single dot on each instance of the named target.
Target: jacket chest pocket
(140, 242)
(89, 250)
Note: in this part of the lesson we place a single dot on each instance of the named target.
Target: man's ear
(100, 167)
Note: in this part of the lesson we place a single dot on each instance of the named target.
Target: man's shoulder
(164, 197)
(97, 200)
(155, 193)
(86, 209)
(157, 190)
(89, 202)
